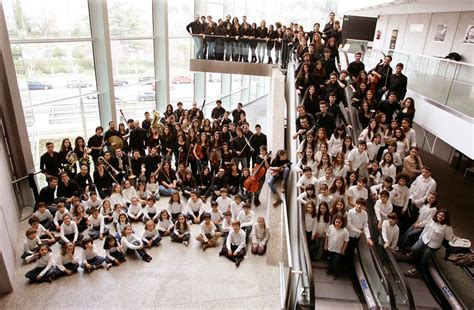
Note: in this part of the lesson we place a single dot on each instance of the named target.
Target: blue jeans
(410, 237)
(211, 50)
(261, 47)
(235, 50)
(423, 252)
(244, 50)
(197, 47)
(33, 273)
(334, 263)
(166, 191)
(283, 176)
(228, 50)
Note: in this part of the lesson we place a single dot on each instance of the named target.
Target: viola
(199, 152)
(252, 183)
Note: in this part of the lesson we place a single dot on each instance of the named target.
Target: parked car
(214, 78)
(119, 82)
(146, 96)
(37, 84)
(182, 80)
(94, 96)
(146, 79)
(78, 84)
(153, 87)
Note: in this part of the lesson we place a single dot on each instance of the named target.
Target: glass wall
(53, 57)
(131, 35)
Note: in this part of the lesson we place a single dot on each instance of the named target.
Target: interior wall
(8, 224)
(420, 39)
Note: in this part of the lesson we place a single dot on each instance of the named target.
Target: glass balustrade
(447, 82)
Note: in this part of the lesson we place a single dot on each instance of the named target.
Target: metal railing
(444, 81)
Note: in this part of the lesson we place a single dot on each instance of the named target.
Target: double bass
(252, 183)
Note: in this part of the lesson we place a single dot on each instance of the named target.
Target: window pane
(56, 121)
(130, 18)
(28, 19)
(213, 86)
(51, 71)
(134, 76)
(181, 80)
(180, 14)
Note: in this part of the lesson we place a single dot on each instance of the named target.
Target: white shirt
(382, 209)
(390, 234)
(355, 193)
(97, 222)
(434, 234)
(303, 181)
(88, 254)
(399, 196)
(357, 223)
(135, 210)
(425, 215)
(29, 245)
(129, 193)
(309, 163)
(397, 160)
(128, 242)
(59, 216)
(216, 217)
(388, 171)
(176, 208)
(326, 181)
(411, 137)
(164, 225)
(335, 145)
(117, 198)
(68, 230)
(309, 222)
(46, 262)
(339, 171)
(235, 209)
(46, 215)
(64, 260)
(150, 234)
(89, 203)
(420, 189)
(303, 198)
(224, 204)
(207, 229)
(147, 211)
(328, 199)
(372, 150)
(195, 206)
(320, 227)
(260, 234)
(236, 239)
(246, 219)
(336, 238)
(358, 159)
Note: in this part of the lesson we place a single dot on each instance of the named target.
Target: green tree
(58, 53)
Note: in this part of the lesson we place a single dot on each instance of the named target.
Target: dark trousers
(94, 233)
(33, 273)
(118, 255)
(96, 261)
(175, 238)
(70, 237)
(334, 263)
(351, 246)
(240, 255)
(69, 266)
(410, 237)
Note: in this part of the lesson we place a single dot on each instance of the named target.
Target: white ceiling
(414, 6)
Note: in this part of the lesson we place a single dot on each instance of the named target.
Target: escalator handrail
(387, 285)
(440, 281)
(406, 285)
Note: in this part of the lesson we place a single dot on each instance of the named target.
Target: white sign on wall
(416, 27)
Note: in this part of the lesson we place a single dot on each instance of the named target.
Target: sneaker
(283, 187)
(49, 279)
(221, 253)
(185, 243)
(205, 246)
(190, 222)
(107, 267)
(277, 201)
(334, 277)
(147, 258)
(237, 262)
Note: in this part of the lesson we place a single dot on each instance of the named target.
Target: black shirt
(388, 109)
(257, 141)
(151, 164)
(217, 112)
(138, 139)
(83, 180)
(195, 27)
(46, 195)
(355, 68)
(50, 164)
(95, 141)
(398, 84)
(326, 121)
(69, 190)
(102, 181)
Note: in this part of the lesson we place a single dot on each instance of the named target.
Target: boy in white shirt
(150, 211)
(383, 207)
(357, 191)
(390, 231)
(208, 235)
(358, 158)
(195, 209)
(357, 223)
(226, 224)
(236, 206)
(135, 212)
(246, 218)
(235, 246)
(307, 178)
(32, 242)
(216, 215)
(97, 227)
(44, 216)
(58, 216)
(324, 195)
(223, 201)
(328, 179)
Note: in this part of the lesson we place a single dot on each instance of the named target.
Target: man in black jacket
(49, 161)
(138, 139)
(356, 66)
(384, 71)
(388, 107)
(67, 188)
(196, 30)
(218, 111)
(258, 139)
(324, 119)
(46, 194)
(398, 82)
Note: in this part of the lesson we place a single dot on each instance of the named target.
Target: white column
(161, 52)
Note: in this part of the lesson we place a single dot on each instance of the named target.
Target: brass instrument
(157, 124)
(101, 160)
(115, 142)
(71, 158)
(130, 171)
(85, 158)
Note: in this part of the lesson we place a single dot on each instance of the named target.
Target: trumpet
(71, 158)
(102, 160)
(85, 158)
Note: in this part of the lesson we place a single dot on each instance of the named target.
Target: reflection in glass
(130, 18)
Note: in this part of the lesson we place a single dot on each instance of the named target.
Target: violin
(199, 152)
(214, 158)
(252, 183)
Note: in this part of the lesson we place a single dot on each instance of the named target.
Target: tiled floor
(178, 277)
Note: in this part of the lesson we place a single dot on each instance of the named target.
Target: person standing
(262, 32)
(49, 161)
(195, 29)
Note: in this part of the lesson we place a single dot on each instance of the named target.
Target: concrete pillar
(161, 52)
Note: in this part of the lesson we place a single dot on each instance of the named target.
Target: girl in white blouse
(309, 219)
(44, 266)
(165, 225)
(387, 166)
(259, 236)
(427, 211)
(435, 232)
(128, 192)
(337, 138)
(337, 238)
(67, 262)
(307, 160)
(320, 227)
(390, 231)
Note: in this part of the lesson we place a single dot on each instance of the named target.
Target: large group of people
(180, 156)
(189, 158)
(380, 179)
(237, 40)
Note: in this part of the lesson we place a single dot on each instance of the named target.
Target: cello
(252, 183)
